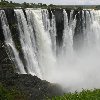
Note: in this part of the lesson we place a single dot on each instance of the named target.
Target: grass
(84, 95)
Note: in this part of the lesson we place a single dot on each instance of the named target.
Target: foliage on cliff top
(11, 4)
(84, 95)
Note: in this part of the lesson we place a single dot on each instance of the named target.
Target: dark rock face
(59, 23)
(13, 25)
(78, 35)
(6, 65)
(12, 21)
(1, 34)
(33, 87)
(59, 16)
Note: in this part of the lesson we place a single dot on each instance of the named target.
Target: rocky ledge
(33, 87)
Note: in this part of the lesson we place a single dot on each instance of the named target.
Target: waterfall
(73, 63)
(53, 33)
(50, 27)
(69, 29)
(91, 25)
(14, 54)
(46, 20)
(45, 55)
(95, 26)
(27, 40)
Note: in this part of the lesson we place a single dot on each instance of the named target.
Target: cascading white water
(27, 39)
(82, 69)
(72, 69)
(50, 27)
(45, 55)
(69, 29)
(92, 29)
(10, 44)
(53, 33)
(31, 30)
(77, 71)
(95, 26)
(46, 20)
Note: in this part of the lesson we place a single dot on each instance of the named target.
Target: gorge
(58, 45)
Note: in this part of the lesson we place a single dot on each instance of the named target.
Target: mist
(78, 72)
(79, 69)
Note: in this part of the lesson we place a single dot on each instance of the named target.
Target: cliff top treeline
(11, 4)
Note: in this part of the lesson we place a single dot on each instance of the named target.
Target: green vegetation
(6, 4)
(12, 94)
(84, 95)
(98, 7)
